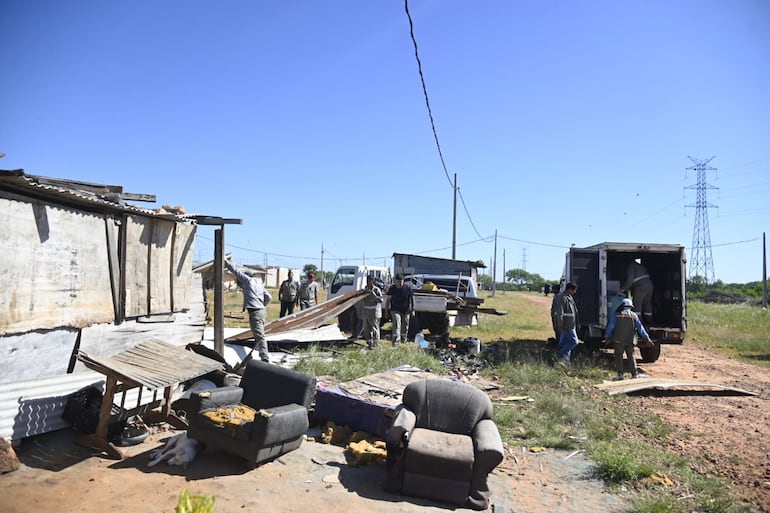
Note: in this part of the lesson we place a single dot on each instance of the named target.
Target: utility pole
(764, 272)
(504, 277)
(524, 258)
(454, 221)
(702, 264)
(323, 276)
(494, 269)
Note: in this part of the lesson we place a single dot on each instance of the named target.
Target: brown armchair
(443, 443)
(264, 417)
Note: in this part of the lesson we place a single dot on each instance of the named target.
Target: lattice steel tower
(701, 263)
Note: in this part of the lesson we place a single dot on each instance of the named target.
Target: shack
(85, 270)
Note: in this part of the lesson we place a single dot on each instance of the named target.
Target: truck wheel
(438, 324)
(590, 347)
(650, 354)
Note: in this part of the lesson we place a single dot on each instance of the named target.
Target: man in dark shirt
(401, 308)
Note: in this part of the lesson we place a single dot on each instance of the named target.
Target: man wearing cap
(255, 297)
(401, 308)
(308, 292)
(564, 314)
(639, 284)
(621, 331)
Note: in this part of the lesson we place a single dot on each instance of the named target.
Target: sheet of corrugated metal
(650, 382)
(33, 407)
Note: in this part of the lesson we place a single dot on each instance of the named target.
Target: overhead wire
(432, 121)
(425, 92)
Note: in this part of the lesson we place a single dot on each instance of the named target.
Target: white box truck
(599, 272)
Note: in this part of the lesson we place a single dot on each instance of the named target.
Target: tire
(650, 354)
(591, 347)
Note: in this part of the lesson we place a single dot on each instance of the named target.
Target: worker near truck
(622, 331)
(401, 308)
(288, 295)
(639, 285)
(564, 315)
(255, 298)
(372, 310)
(308, 292)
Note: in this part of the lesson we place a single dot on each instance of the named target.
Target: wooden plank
(138, 239)
(112, 234)
(160, 263)
(181, 272)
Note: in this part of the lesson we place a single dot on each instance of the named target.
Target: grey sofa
(443, 443)
(281, 398)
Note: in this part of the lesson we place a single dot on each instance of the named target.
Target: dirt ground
(728, 435)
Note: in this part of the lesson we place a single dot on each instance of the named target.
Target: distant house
(275, 275)
(83, 270)
(206, 271)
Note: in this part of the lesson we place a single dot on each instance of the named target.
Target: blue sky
(565, 122)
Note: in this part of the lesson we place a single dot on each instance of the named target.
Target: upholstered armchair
(264, 417)
(443, 443)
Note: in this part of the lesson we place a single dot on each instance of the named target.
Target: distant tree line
(699, 288)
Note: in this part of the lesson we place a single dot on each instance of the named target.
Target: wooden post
(219, 307)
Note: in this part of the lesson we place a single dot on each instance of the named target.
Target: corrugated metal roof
(106, 201)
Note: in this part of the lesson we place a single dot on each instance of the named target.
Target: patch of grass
(618, 462)
(738, 330)
(355, 362)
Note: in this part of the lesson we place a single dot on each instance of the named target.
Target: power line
(430, 115)
(425, 92)
(462, 200)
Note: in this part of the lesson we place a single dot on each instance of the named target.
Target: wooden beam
(219, 307)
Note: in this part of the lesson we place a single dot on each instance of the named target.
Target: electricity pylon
(701, 263)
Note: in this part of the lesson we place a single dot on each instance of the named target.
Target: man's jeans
(400, 326)
(567, 342)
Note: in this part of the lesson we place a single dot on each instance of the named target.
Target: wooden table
(153, 365)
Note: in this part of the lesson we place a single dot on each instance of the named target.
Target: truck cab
(353, 277)
(599, 273)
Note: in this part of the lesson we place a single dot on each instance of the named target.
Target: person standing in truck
(255, 299)
(622, 330)
(288, 295)
(401, 308)
(564, 314)
(372, 310)
(639, 285)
